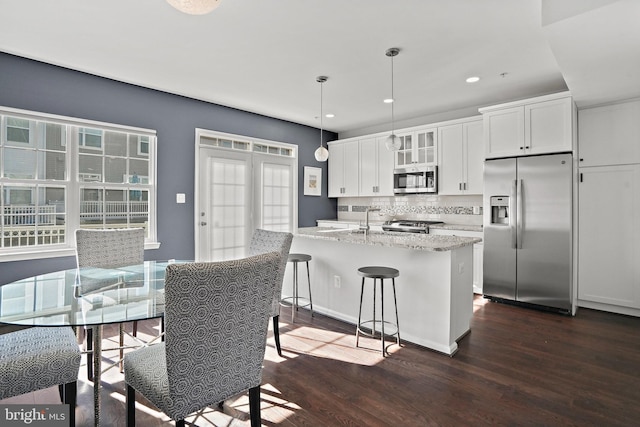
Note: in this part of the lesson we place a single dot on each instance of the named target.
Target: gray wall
(40, 87)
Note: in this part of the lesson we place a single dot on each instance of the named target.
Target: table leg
(97, 371)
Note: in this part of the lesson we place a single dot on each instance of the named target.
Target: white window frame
(242, 144)
(72, 185)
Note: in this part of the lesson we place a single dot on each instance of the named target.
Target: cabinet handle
(464, 186)
(459, 186)
(522, 148)
(580, 176)
(582, 160)
(527, 147)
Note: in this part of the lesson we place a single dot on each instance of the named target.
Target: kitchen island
(434, 290)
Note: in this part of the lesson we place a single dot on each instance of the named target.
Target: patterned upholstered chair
(38, 358)
(264, 241)
(216, 318)
(109, 248)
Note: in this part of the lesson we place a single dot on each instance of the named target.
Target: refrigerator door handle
(519, 217)
(513, 218)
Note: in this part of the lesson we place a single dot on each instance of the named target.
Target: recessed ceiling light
(330, 115)
(388, 101)
(473, 79)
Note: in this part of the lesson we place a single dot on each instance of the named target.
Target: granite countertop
(461, 227)
(444, 226)
(423, 242)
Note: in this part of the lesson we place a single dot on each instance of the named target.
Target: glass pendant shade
(195, 7)
(392, 142)
(322, 154)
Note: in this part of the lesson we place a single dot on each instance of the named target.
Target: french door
(237, 192)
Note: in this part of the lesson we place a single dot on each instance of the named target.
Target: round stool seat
(299, 258)
(376, 272)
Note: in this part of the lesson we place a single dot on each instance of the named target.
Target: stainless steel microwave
(416, 180)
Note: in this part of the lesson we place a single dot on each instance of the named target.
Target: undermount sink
(358, 231)
(333, 230)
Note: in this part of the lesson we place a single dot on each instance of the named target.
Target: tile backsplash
(450, 209)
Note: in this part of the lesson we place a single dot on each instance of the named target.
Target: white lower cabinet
(477, 268)
(477, 253)
(609, 236)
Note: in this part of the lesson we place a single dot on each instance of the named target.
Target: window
(58, 174)
(18, 130)
(90, 138)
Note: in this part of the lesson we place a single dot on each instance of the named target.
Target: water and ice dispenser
(500, 210)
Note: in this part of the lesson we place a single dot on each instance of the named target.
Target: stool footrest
(289, 302)
(368, 326)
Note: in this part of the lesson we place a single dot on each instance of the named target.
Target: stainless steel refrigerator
(527, 230)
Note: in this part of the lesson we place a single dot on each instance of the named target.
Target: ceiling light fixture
(473, 79)
(393, 142)
(322, 154)
(195, 7)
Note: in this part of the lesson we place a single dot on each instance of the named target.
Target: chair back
(264, 241)
(110, 247)
(216, 318)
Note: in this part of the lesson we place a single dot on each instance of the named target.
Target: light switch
(180, 198)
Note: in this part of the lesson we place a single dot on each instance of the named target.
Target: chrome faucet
(365, 227)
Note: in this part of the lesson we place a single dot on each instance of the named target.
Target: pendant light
(392, 142)
(322, 154)
(195, 7)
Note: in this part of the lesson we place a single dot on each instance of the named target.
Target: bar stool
(295, 299)
(376, 273)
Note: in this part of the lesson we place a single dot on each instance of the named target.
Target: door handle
(519, 216)
(512, 217)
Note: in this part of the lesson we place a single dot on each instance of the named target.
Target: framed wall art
(312, 181)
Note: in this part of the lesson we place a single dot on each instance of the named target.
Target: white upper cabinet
(343, 169)
(461, 157)
(609, 135)
(418, 148)
(376, 168)
(504, 132)
(534, 126)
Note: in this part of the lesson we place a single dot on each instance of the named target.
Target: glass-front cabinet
(418, 148)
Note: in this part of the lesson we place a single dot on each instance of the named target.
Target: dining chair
(263, 241)
(37, 358)
(108, 248)
(216, 322)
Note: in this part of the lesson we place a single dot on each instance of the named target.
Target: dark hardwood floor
(516, 367)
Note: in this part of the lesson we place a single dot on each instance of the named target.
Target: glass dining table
(87, 297)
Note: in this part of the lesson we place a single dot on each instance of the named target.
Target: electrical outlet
(337, 282)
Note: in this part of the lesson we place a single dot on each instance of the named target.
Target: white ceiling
(264, 56)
